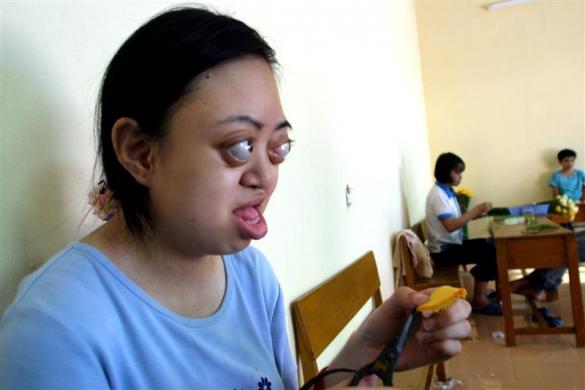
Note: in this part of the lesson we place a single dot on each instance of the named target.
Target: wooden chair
(443, 275)
(322, 313)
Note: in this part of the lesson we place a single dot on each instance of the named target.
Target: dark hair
(566, 153)
(150, 74)
(447, 162)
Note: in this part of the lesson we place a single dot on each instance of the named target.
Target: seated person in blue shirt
(168, 294)
(445, 224)
(568, 180)
(542, 284)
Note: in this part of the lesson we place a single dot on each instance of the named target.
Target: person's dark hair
(566, 153)
(150, 74)
(447, 162)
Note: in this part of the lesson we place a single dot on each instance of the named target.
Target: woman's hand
(437, 339)
(481, 209)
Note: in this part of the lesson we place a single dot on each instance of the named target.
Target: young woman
(168, 293)
(445, 223)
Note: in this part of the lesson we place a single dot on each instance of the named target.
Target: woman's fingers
(456, 312)
(445, 349)
(457, 331)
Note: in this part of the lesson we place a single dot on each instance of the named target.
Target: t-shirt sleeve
(39, 351)
(554, 180)
(440, 208)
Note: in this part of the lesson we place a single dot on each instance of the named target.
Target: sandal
(492, 296)
(551, 321)
(490, 309)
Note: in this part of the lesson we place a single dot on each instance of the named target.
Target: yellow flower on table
(465, 192)
(463, 198)
(562, 205)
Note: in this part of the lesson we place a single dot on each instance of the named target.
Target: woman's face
(456, 177)
(217, 167)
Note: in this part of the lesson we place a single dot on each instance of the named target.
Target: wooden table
(551, 249)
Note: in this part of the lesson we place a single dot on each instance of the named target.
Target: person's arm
(437, 339)
(554, 184)
(452, 224)
(555, 191)
(583, 188)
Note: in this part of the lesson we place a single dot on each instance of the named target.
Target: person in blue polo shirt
(445, 224)
(568, 180)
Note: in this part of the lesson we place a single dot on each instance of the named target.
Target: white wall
(351, 87)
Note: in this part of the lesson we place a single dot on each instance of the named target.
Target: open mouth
(249, 214)
(251, 221)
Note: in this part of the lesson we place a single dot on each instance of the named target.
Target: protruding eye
(279, 153)
(242, 150)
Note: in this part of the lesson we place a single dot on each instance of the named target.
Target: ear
(135, 149)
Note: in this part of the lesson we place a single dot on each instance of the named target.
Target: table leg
(506, 292)
(575, 288)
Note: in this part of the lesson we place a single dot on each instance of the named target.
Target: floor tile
(482, 374)
(549, 375)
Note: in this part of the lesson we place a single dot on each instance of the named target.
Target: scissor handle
(384, 365)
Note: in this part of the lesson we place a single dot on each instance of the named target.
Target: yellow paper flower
(465, 191)
(442, 297)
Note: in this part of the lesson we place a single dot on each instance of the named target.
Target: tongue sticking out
(251, 222)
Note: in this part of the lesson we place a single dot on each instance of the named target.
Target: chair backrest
(442, 275)
(406, 270)
(421, 230)
(323, 312)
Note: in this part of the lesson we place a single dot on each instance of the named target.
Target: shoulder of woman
(252, 261)
(67, 286)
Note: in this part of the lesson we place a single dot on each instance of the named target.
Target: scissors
(384, 365)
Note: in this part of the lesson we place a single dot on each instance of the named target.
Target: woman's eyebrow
(284, 125)
(247, 119)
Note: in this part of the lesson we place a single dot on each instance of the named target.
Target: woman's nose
(260, 173)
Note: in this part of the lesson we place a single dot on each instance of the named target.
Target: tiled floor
(537, 362)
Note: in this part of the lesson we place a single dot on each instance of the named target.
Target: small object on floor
(450, 383)
(490, 309)
(498, 336)
(551, 321)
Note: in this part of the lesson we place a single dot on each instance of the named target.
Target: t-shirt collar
(446, 189)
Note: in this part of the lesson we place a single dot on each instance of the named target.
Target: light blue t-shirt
(79, 323)
(571, 186)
